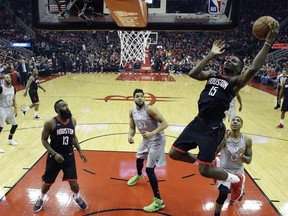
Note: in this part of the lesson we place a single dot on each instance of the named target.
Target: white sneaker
(12, 142)
(2, 151)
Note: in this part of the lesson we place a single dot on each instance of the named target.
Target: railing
(278, 54)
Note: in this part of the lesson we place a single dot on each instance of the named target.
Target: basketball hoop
(133, 46)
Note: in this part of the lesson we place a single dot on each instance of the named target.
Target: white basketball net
(133, 45)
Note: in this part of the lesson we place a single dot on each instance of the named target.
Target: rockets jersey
(61, 137)
(230, 154)
(34, 84)
(144, 122)
(215, 98)
(285, 90)
(7, 96)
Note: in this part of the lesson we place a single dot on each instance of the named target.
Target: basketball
(260, 28)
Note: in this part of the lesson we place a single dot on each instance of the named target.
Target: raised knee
(204, 170)
(173, 154)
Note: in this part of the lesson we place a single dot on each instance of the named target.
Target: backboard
(179, 15)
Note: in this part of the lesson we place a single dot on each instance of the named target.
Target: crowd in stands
(175, 52)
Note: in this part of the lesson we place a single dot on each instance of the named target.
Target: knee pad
(13, 129)
(223, 193)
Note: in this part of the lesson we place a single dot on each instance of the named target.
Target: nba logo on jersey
(214, 6)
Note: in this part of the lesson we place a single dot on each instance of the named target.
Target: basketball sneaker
(81, 203)
(156, 205)
(38, 205)
(12, 142)
(280, 126)
(23, 112)
(237, 189)
(231, 202)
(37, 117)
(134, 179)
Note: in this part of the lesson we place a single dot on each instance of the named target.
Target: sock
(76, 195)
(35, 113)
(232, 178)
(26, 108)
(282, 121)
(10, 137)
(153, 182)
(42, 196)
(139, 166)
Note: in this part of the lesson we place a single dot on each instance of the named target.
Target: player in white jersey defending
(150, 124)
(236, 150)
(8, 108)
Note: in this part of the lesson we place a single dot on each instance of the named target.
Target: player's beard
(140, 104)
(229, 72)
(65, 114)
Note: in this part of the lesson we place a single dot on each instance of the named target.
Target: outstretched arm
(198, 71)
(41, 88)
(259, 60)
(239, 100)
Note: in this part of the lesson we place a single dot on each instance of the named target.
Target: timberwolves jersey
(230, 154)
(7, 96)
(215, 98)
(61, 137)
(34, 84)
(144, 122)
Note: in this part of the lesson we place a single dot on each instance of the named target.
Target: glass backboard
(191, 15)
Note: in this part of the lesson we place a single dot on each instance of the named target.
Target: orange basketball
(260, 27)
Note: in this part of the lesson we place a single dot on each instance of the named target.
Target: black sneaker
(276, 107)
(37, 117)
(23, 112)
(38, 205)
(81, 203)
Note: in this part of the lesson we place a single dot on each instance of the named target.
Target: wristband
(269, 44)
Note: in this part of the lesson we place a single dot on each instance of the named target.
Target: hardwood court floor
(103, 184)
(101, 105)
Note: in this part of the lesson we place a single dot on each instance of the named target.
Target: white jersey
(144, 122)
(231, 160)
(7, 96)
(230, 154)
(6, 106)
